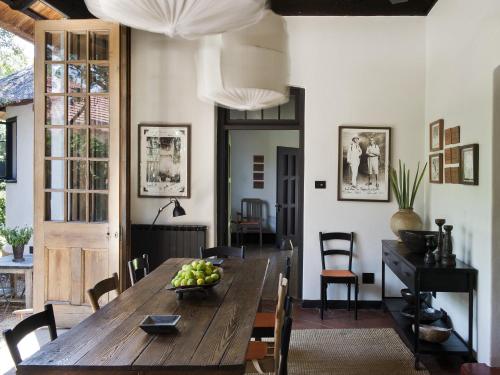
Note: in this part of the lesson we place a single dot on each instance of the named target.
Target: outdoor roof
(17, 88)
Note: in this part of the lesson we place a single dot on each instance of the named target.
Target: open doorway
(260, 159)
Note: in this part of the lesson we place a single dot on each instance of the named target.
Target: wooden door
(77, 149)
(287, 195)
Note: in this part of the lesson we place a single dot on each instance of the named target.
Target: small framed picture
(436, 169)
(164, 153)
(364, 157)
(436, 130)
(469, 164)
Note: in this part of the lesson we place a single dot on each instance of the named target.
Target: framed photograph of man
(436, 130)
(364, 158)
(436, 169)
(469, 165)
(164, 160)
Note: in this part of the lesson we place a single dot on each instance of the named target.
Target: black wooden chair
(329, 276)
(285, 345)
(15, 335)
(223, 252)
(138, 265)
(250, 218)
(103, 287)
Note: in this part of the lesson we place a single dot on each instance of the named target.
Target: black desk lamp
(178, 210)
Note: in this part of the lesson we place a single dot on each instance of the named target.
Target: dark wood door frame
(222, 139)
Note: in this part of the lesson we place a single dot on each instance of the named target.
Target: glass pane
(77, 207)
(77, 142)
(99, 110)
(54, 142)
(99, 45)
(54, 46)
(54, 110)
(77, 174)
(254, 115)
(77, 78)
(236, 115)
(99, 143)
(98, 175)
(271, 113)
(76, 110)
(54, 174)
(54, 206)
(98, 207)
(77, 46)
(54, 78)
(287, 110)
(99, 78)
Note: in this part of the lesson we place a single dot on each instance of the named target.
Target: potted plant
(405, 218)
(17, 238)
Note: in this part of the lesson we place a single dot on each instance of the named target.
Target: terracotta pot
(18, 252)
(405, 219)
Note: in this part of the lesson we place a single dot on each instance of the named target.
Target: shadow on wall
(495, 264)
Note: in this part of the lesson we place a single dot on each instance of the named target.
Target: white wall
(163, 89)
(463, 52)
(244, 145)
(19, 195)
(355, 71)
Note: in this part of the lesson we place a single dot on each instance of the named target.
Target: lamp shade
(180, 18)
(178, 210)
(246, 69)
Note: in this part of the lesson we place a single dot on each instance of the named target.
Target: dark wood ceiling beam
(72, 9)
(351, 7)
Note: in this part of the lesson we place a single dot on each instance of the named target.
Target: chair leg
(260, 238)
(348, 296)
(322, 306)
(356, 291)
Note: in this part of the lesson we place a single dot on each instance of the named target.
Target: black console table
(418, 277)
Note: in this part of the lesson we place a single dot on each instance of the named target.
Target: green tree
(12, 57)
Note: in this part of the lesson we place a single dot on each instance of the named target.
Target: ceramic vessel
(18, 252)
(405, 219)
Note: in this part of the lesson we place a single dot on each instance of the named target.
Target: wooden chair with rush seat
(101, 288)
(338, 276)
(15, 335)
(140, 265)
(258, 351)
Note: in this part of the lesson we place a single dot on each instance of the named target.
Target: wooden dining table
(211, 337)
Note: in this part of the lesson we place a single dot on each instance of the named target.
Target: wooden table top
(212, 337)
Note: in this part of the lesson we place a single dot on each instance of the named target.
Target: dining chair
(140, 265)
(340, 276)
(103, 287)
(15, 335)
(258, 350)
(223, 252)
(250, 218)
(264, 321)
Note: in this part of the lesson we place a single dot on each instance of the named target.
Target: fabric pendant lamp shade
(188, 19)
(246, 69)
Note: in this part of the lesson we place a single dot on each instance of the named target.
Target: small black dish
(216, 261)
(160, 323)
(410, 299)
(427, 315)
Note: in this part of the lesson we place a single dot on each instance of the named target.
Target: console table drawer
(406, 275)
(391, 261)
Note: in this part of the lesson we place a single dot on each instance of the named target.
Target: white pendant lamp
(180, 18)
(246, 69)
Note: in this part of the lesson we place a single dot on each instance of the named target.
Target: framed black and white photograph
(436, 135)
(364, 158)
(469, 165)
(436, 169)
(164, 160)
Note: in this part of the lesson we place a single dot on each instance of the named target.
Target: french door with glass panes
(76, 163)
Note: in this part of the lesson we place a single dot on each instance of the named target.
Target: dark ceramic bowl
(415, 240)
(409, 297)
(427, 315)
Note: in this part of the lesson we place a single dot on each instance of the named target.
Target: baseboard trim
(337, 304)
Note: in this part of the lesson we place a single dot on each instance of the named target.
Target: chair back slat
(251, 209)
(223, 252)
(138, 265)
(288, 268)
(279, 318)
(336, 236)
(15, 335)
(103, 287)
(285, 345)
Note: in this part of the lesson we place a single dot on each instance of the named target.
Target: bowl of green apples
(197, 274)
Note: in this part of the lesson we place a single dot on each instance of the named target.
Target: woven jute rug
(350, 352)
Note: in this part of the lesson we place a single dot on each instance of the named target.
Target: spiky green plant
(400, 182)
(16, 236)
